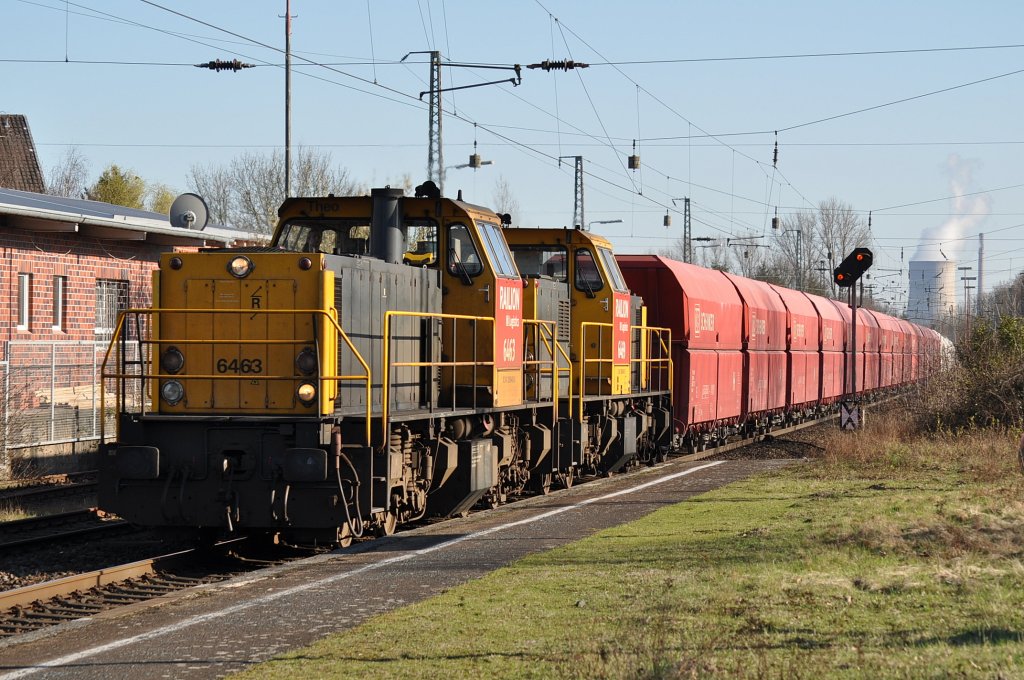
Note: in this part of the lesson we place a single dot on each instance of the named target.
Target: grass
(10, 512)
(893, 555)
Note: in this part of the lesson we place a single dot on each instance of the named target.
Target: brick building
(67, 267)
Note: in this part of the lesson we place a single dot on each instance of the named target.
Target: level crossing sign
(851, 417)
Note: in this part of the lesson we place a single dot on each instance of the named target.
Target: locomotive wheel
(542, 484)
(344, 535)
(567, 478)
(390, 524)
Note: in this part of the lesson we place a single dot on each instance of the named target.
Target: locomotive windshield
(497, 250)
(533, 261)
(614, 273)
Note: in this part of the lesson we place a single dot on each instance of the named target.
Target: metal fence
(51, 394)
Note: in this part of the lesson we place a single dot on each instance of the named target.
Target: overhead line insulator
(559, 65)
(224, 65)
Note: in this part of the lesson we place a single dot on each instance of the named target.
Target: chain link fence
(51, 394)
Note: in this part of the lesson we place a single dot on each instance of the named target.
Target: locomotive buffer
(851, 413)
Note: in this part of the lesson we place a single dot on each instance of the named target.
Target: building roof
(19, 166)
(38, 212)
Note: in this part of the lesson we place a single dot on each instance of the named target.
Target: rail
(120, 340)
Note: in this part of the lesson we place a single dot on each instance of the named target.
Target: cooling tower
(932, 298)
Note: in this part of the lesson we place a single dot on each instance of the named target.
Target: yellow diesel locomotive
(330, 385)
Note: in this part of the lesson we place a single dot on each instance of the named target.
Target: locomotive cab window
(534, 261)
(329, 237)
(463, 257)
(614, 273)
(588, 276)
(421, 235)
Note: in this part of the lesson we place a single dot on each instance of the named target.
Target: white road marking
(265, 599)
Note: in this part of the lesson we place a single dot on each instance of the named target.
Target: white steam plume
(966, 213)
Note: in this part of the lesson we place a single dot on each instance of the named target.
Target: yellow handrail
(664, 337)
(386, 395)
(156, 312)
(600, 361)
(545, 332)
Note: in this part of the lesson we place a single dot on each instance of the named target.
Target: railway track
(38, 606)
(21, 533)
(49, 487)
(83, 595)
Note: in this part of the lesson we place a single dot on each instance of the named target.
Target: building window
(24, 301)
(59, 300)
(111, 299)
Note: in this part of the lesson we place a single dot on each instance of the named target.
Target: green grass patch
(891, 556)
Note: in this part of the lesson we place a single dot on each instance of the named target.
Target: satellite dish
(189, 211)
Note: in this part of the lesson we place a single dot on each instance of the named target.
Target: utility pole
(578, 220)
(687, 235)
(981, 270)
(287, 98)
(435, 151)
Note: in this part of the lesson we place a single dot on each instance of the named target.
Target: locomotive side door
(481, 281)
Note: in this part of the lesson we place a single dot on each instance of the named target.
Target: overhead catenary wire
(525, 144)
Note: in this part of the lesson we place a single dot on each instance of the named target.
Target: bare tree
(214, 184)
(503, 200)
(839, 230)
(715, 255)
(748, 255)
(68, 177)
(247, 192)
(795, 249)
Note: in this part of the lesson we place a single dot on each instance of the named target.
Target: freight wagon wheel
(542, 483)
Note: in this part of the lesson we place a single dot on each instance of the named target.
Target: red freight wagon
(803, 349)
(833, 342)
(889, 331)
(907, 347)
(764, 345)
(868, 343)
(704, 311)
(915, 351)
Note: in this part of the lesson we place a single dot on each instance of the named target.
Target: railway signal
(851, 268)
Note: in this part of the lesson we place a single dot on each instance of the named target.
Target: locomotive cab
(611, 348)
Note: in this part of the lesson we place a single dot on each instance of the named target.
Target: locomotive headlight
(305, 362)
(172, 360)
(306, 393)
(172, 392)
(240, 267)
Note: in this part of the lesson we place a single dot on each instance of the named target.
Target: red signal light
(840, 277)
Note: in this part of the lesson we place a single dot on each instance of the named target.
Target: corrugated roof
(39, 212)
(19, 165)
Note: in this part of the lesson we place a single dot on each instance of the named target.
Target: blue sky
(159, 120)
